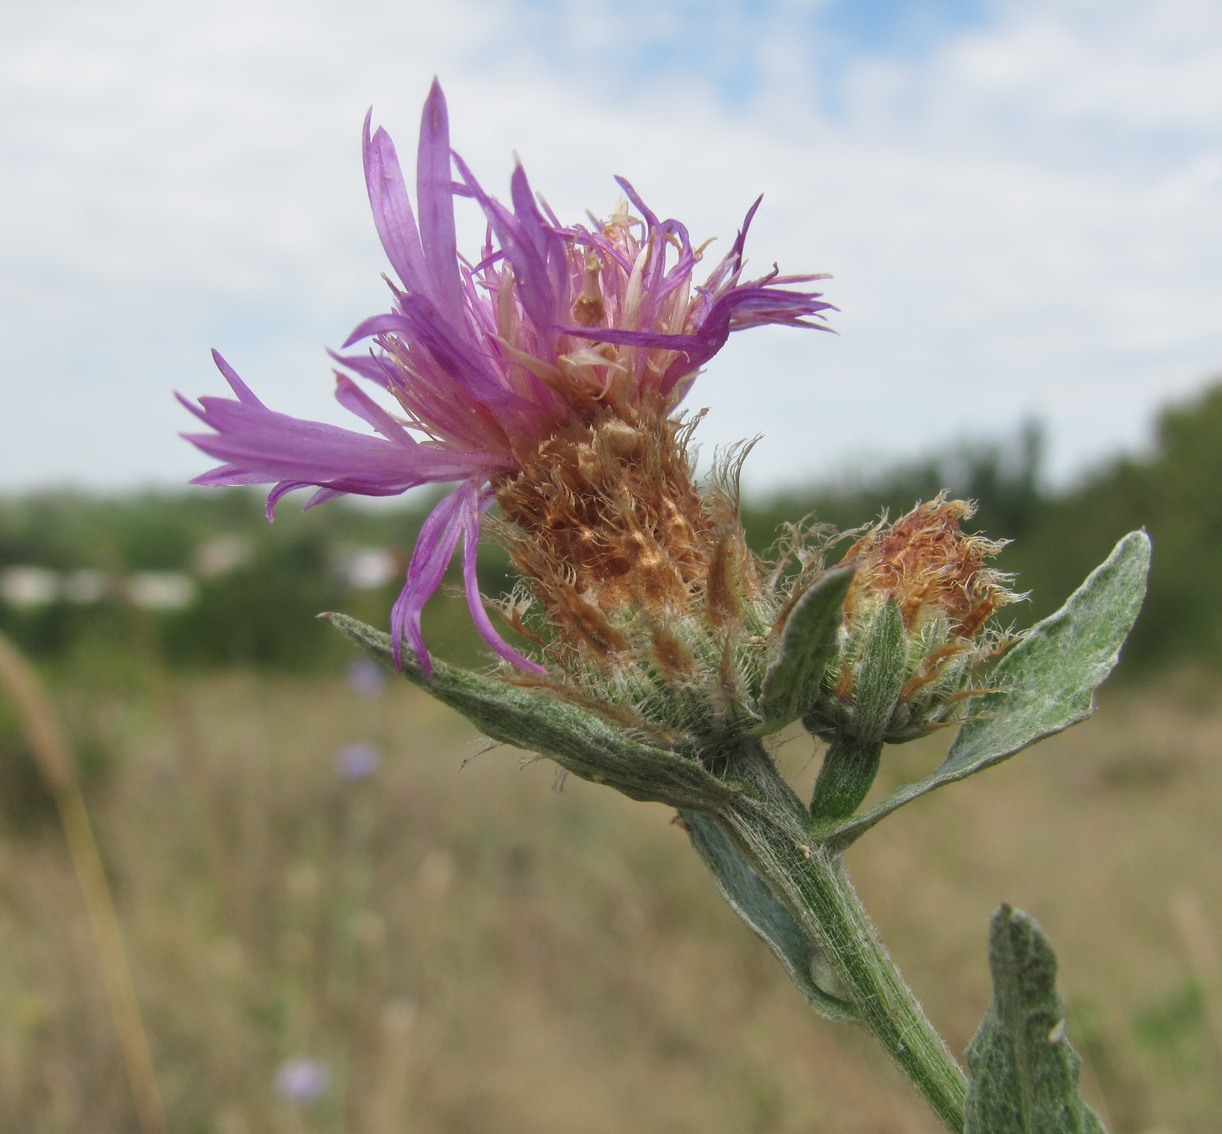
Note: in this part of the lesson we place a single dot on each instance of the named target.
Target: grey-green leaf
(533, 718)
(1045, 683)
(808, 643)
(1022, 1069)
(748, 895)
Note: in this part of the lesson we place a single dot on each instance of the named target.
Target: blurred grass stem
(1201, 945)
(55, 762)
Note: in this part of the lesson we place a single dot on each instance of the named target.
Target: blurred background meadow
(344, 911)
(250, 885)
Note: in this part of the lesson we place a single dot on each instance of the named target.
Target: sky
(1020, 204)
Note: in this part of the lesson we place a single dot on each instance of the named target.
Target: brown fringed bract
(620, 547)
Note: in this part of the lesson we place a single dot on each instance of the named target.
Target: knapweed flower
(357, 761)
(366, 678)
(917, 626)
(302, 1081)
(542, 375)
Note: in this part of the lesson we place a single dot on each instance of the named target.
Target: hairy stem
(771, 830)
(849, 768)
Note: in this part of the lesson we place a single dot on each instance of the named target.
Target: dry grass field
(465, 950)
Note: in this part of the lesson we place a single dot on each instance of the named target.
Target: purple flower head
(551, 328)
(366, 678)
(357, 761)
(302, 1081)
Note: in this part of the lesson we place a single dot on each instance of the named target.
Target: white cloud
(1026, 218)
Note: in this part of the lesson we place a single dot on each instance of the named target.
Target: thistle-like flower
(302, 1081)
(543, 376)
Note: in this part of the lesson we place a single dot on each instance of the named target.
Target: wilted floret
(930, 568)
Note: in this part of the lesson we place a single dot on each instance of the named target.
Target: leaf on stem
(748, 895)
(534, 719)
(1044, 684)
(1022, 1070)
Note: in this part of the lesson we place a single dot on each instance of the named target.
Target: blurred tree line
(256, 589)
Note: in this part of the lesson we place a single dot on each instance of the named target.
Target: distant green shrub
(261, 611)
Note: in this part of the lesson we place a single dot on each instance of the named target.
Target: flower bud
(916, 627)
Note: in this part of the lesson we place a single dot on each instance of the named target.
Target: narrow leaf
(535, 719)
(1045, 683)
(808, 643)
(1022, 1070)
(748, 895)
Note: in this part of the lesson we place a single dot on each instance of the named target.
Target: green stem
(849, 768)
(771, 832)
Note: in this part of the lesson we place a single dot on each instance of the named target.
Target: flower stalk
(773, 833)
(848, 771)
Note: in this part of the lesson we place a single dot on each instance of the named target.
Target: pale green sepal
(884, 665)
(808, 642)
(1022, 1070)
(1044, 684)
(748, 895)
(579, 741)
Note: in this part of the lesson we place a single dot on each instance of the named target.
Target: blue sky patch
(899, 28)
